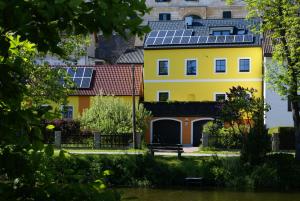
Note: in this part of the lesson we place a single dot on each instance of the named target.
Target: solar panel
(188, 32)
(150, 41)
(239, 38)
(71, 72)
(153, 34)
(229, 39)
(170, 33)
(202, 39)
(248, 38)
(176, 40)
(179, 32)
(158, 41)
(79, 72)
(86, 82)
(161, 33)
(211, 39)
(185, 40)
(81, 76)
(183, 37)
(220, 39)
(88, 72)
(167, 40)
(193, 40)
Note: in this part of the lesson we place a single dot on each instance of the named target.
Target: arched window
(195, 17)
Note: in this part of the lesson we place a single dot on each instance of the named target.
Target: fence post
(96, 140)
(204, 140)
(57, 139)
(275, 142)
(138, 140)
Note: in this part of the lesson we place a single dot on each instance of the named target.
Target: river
(140, 194)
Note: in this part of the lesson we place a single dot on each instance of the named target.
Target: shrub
(111, 115)
(221, 137)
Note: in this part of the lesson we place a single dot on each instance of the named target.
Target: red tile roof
(113, 80)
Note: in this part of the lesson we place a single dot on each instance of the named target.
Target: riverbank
(279, 171)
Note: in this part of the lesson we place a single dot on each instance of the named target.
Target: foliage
(28, 27)
(244, 113)
(111, 115)
(286, 137)
(281, 23)
(278, 171)
(222, 137)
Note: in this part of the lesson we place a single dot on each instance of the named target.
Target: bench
(158, 147)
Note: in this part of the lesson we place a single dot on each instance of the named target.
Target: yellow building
(196, 62)
(114, 80)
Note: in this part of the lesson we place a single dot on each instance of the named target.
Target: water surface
(204, 195)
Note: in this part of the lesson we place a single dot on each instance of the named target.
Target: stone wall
(206, 9)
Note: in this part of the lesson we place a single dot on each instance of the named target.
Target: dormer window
(221, 31)
(241, 32)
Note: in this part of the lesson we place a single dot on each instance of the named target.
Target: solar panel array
(81, 76)
(185, 37)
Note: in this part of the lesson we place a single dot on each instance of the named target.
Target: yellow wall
(206, 83)
(75, 102)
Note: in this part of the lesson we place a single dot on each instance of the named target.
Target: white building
(280, 114)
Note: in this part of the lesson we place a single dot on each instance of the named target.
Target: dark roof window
(226, 14)
(162, 0)
(164, 16)
(218, 31)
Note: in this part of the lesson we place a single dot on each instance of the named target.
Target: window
(163, 96)
(221, 33)
(162, 0)
(67, 111)
(191, 67)
(220, 65)
(244, 65)
(220, 97)
(163, 67)
(226, 14)
(241, 32)
(164, 16)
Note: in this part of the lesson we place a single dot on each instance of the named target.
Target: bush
(66, 126)
(221, 137)
(255, 147)
(111, 115)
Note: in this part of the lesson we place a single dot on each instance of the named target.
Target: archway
(197, 129)
(167, 131)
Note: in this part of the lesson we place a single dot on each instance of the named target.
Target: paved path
(157, 153)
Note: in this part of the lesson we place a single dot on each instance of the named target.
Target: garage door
(166, 131)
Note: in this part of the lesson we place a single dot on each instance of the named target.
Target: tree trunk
(296, 118)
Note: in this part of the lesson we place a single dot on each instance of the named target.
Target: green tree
(27, 26)
(245, 115)
(111, 115)
(281, 21)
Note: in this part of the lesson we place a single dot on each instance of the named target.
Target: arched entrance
(166, 131)
(197, 129)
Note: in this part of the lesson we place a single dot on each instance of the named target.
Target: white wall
(279, 114)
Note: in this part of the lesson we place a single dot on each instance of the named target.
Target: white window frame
(215, 65)
(250, 64)
(157, 66)
(185, 68)
(157, 96)
(62, 108)
(219, 93)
